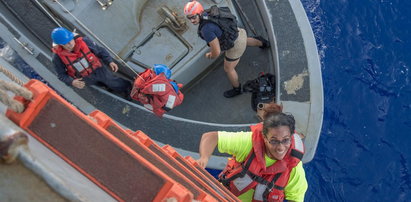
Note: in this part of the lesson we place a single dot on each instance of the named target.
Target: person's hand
(113, 66)
(208, 55)
(142, 98)
(202, 161)
(78, 83)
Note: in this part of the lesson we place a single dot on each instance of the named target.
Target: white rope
(11, 76)
(17, 90)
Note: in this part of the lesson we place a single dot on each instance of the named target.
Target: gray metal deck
(204, 101)
(204, 108)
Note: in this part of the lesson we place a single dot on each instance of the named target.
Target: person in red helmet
(218, 27)
(78, 61)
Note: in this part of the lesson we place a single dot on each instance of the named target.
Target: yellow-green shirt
(239, 144)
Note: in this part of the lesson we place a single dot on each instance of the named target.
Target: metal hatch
(164, 44)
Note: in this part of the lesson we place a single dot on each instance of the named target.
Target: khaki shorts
(240, 44)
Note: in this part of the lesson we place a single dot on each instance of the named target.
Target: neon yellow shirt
(239, 144)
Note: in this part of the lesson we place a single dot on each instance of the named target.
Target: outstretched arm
(208, 143)
(215, 49)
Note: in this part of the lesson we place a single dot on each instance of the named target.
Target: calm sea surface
(364, 152)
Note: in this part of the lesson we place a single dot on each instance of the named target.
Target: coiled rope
(11, 76)
(18, 90)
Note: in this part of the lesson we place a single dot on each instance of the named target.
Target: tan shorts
(240, 44)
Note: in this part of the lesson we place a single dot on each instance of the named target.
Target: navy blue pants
(106, 77)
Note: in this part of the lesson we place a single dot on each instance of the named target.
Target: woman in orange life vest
(77, 61)
(266, 164)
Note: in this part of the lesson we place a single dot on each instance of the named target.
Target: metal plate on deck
(167, 48)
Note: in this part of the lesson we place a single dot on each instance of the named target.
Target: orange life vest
(156, 92)
(81, 61)
(268, 182)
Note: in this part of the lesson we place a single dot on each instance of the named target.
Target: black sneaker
(232, 92)
(266, 43)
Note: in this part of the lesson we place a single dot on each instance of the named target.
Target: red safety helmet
(193, 8)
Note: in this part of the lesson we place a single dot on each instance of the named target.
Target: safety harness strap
(297, 154)
(272, 185)
(226, 182)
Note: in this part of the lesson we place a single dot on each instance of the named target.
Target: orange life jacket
(156, 92)
(268, 182)
(81, 61)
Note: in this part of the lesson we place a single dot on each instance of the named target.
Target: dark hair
(279, 119)
(266, 109)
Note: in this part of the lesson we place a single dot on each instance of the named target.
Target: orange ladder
(120, 161)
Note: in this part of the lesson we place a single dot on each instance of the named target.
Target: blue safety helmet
(61, 36)
(160, 68)
(175, 86)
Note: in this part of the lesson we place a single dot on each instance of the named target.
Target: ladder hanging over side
(127, 165)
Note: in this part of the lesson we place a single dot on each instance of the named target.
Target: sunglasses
(284, 142)
(191, 17)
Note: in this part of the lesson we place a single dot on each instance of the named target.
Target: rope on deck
(11, 76)
(17, 90)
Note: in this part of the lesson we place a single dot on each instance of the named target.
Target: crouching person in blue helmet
(79, 61)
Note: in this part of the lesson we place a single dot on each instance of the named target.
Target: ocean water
(364, 153)
(365, 146)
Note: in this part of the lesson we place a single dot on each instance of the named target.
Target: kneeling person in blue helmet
(79, 61)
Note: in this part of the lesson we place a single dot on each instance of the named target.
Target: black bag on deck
(262, 89)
